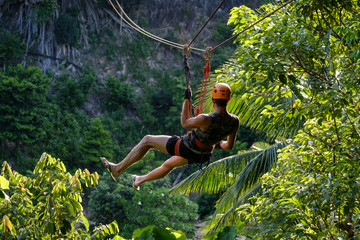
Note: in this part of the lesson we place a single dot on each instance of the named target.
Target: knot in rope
(207, 67)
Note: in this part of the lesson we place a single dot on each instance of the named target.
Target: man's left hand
(188, 93)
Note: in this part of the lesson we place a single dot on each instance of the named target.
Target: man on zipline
(208, 131)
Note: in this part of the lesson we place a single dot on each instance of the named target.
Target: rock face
(161, 16)
(163, 12)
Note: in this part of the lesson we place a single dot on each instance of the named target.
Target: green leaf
(162, 233)
(85, 221)
(328, 34)
(153, 232)
(293, 79)
(210, 236)
(228, 233)
(50, 228)
(4, 183)
(137, 233)
(114, 229)
(118, 238)
(7, 225)
(268, 107)
(145, 236)
(177, 234)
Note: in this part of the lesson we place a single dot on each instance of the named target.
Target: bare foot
(136, 184)
(111, 167)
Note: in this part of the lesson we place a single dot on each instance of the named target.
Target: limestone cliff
(38, 20)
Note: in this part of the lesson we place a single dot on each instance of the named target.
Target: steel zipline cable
(133, 25)
(186, 47)
(202, 28)
(247, 28)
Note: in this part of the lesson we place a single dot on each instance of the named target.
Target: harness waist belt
(177, 147)
(202, 146)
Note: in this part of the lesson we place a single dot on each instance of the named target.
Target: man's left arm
(202, 121)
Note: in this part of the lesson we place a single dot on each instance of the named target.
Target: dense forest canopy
(296, 77)
(78, 83)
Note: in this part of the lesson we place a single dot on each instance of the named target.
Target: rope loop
(206, 77)
(206, 67)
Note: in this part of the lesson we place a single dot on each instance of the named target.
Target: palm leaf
(230, 216)
(249, 176)
(217, 176)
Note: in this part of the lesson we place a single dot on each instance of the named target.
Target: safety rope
(206, 77)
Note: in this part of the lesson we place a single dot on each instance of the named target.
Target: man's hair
(221, 102)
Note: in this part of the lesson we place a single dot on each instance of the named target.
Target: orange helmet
(221, 91)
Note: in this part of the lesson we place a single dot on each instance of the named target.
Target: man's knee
(168, 166)
(147, 141)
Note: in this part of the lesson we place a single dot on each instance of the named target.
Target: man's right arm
(229, 143)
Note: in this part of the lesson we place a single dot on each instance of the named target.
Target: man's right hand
(188, 93)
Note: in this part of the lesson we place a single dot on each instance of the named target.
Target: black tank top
(218, 129)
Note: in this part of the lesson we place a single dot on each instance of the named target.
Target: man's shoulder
(236, 121)
(204, 117)
(234, 116)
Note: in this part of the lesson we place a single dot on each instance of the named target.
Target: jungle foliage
(47, 204)
(80, 116)
(295, 76)
(295, 80)
(137, 209)
(22, 100)
(11, 48)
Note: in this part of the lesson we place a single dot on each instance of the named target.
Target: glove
(188, 93)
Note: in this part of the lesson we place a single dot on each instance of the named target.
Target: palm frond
(260, 146)
(250, 176)
(229, 217)
(217, 176)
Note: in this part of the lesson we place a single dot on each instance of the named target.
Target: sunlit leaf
(4, 183)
